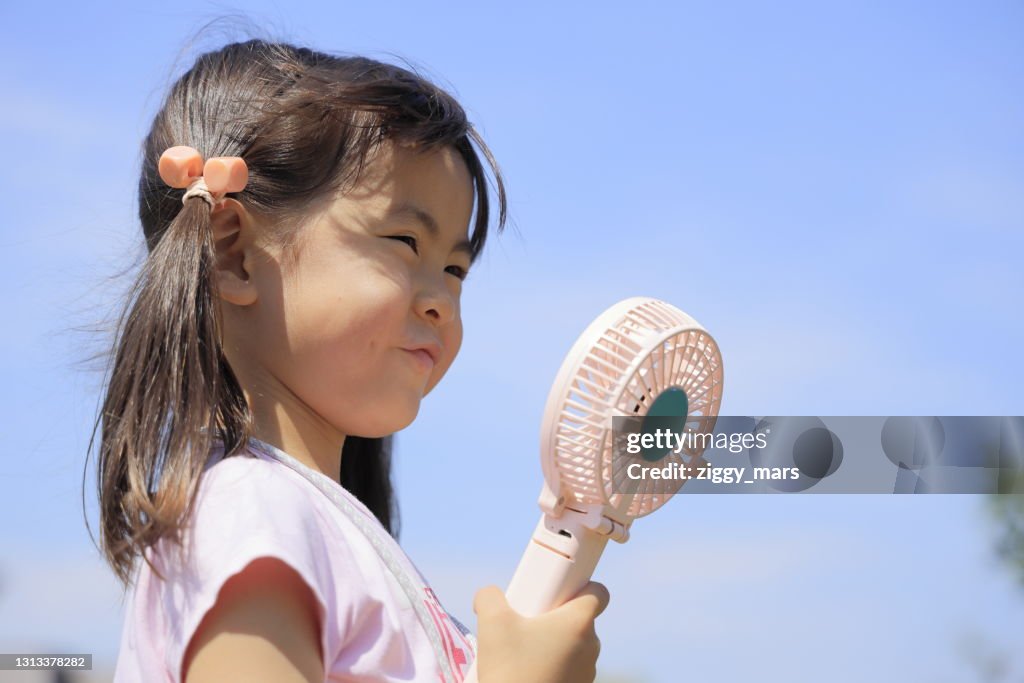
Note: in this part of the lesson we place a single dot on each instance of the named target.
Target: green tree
(1008, 511)
(1006, 506)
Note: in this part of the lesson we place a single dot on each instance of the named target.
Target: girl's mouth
(422, 358)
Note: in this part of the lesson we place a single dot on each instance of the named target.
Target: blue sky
(835, 190)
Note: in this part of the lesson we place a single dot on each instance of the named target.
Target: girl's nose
(436, 303)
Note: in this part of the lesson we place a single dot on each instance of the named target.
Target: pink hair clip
(183, 166)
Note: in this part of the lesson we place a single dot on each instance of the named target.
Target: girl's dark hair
(305, 123)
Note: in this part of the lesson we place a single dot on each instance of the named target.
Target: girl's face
(365, 320)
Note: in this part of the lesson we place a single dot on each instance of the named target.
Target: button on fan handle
(559, 561)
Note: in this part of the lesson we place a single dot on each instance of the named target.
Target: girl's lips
(422, 358)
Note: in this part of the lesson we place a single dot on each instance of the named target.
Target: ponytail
(170, 391)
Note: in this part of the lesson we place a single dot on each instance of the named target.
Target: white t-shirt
(250, 506)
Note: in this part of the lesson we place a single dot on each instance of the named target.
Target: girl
(300, 297)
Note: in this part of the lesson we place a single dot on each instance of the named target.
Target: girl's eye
(459, 271)
(408, 239)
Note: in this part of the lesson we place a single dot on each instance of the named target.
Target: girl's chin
(388, 422)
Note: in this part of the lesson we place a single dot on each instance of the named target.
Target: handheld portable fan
(641, 357)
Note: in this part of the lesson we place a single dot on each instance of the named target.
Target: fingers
(489, 600)
(594, 597)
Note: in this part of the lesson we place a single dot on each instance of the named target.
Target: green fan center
(670, 408)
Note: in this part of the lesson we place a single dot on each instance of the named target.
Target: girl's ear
(233, 238)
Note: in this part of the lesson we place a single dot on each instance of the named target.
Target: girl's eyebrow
(410, 209)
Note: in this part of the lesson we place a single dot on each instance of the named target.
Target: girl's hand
(560, 646)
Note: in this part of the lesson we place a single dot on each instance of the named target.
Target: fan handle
(558, 562)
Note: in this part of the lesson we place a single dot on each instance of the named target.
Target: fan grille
(652, 347)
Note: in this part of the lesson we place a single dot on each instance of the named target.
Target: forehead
(436, 180)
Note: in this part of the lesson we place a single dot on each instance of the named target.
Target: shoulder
(255, 524)
(260, 576)
(255, 493)
(247, 502)
(248, 472)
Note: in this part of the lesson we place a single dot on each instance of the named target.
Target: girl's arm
(264, 626)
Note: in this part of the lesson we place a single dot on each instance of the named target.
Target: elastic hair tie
(183, 167)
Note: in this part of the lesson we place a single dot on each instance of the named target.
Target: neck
(297, 432)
